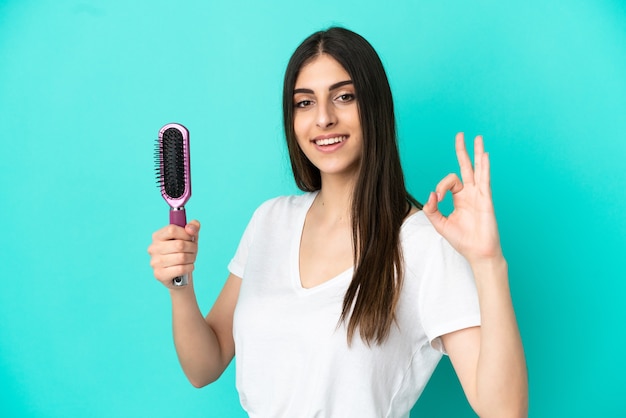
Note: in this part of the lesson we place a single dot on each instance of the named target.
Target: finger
(173, 265)
(172, 246)
(170, 232)
(450, 182)
(479, 151)
(485, 175)
(432, 212)
(167, 274)
(467, 172)
(175, 259)
(177, 246)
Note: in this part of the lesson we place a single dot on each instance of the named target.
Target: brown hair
(380, 201)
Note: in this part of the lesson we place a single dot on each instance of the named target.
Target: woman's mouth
(330, 141)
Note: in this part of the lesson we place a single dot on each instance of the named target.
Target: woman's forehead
(321, 72)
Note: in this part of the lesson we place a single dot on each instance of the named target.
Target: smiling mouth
(330, 141)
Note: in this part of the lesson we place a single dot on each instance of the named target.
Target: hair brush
(174, 175)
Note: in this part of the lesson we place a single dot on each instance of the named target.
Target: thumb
(193, 228)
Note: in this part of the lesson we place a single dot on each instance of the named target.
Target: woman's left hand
(471, 228)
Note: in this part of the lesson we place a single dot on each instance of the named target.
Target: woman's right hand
(173, 252)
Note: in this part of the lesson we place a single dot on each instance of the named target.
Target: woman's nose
(326, 116)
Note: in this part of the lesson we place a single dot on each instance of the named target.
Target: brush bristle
(171, 159)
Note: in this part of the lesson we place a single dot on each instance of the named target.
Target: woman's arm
(204, 346)
(489, 360)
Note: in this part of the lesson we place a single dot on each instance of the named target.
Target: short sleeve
(448, 296)
(237, 265)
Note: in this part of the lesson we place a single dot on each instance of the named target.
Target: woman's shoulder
(421, 243)
(415, 220)
(417, 229)
(285, 204)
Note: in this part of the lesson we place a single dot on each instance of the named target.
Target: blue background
(86, 85)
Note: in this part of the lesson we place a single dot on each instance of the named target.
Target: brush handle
(178, 217)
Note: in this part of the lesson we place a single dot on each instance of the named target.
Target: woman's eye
(303, 103)
(348, 97)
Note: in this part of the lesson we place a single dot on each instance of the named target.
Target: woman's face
(326, 117)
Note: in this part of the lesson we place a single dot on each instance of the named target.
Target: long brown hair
(380, 201)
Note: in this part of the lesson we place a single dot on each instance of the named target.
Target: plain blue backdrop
(86, 85)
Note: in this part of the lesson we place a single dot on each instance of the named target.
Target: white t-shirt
(292, 357)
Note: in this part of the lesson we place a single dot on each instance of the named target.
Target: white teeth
(330, 141)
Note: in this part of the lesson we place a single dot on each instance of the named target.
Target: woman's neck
(334, 200)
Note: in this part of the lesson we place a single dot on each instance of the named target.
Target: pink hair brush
(174, 175)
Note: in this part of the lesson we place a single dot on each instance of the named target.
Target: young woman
(341, 301)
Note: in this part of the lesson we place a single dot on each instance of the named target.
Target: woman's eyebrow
(331, 88)
(340, 84)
